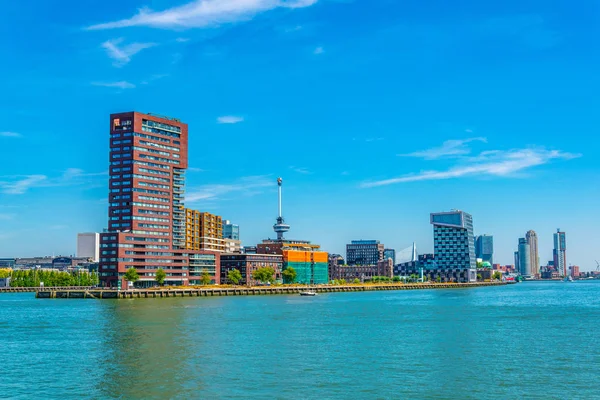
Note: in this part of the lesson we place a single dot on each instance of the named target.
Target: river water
(531, 340)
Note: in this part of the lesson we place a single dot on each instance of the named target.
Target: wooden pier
(89, 293)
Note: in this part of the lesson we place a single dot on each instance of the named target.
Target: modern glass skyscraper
(454, 245)
(524, 257)
(560, 252)
(390, 253)
(231, 231)
(364, 252)
(484, 248)
(532, 240)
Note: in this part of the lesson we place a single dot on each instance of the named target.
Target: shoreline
(61, 293)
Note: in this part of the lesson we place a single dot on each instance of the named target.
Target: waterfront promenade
(89, 293)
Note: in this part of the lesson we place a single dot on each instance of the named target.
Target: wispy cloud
(301, 170)
(291, 29)
(229, 119)
(450, 148)
(6, 217)
(490, 163)
(249, 185)
(122, 54)
(182, 39)
(153, 78)
(20, 184)
(202, 14)
(119, 85)
(369, 140)
(319, 50)
(10, 134)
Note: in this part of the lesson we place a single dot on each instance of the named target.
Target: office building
(231, 231)
(524, 257)
(8, 262)
(88, 246)
(560, 252)
(574, 271)
(517, 262)
(364, 252)
(146, 214)
(384, 268)
(454, 245)
(484, 248)
(203, 231)
(391, 254)
(532, 240)
(248, 263)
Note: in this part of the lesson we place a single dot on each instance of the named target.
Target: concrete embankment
(242, 290)
(43, 289)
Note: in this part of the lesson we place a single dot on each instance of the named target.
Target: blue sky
(374, 112)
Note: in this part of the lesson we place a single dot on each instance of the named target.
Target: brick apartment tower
(146, 217)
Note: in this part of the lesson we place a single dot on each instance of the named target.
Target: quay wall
(71, 293)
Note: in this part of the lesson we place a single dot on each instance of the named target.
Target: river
(531, 340)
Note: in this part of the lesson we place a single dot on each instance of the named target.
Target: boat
(308, 293)
(568, 279)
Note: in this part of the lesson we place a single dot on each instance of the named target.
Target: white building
(88, 245)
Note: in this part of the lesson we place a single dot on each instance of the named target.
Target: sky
(374, 112)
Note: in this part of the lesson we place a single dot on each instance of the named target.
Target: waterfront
(535, 340)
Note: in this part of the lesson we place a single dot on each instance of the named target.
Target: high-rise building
(364, 252)
(484, 248)
(231, 231)
(390, 253)
(560, 252)
(146, 215)
(517, 266)
(524, 257)
(574, 271)
(203, 231)
(88, 246)
(454, 245)
(532, 240)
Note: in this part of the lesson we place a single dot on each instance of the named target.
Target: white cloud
(245, 186)
(6, 217)
(182, 40)
(490, 163)
(10, 134)
(202, 14)
(319, 50)
(293, 29)
(20, 184)
(450, 148)
(122, 55)
(301, 170)
(119, 84)
(229, 119)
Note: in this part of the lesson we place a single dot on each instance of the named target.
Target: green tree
(5, 273)
(479, 277)
(234, 276)
(264, 274)
(497, 275)
(131, 275)
(438, 279)
(356, 280)
(289, 275)
(160, 276)
(205, 277)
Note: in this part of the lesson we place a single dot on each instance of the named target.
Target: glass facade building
(231, 231)
(454, 245)
(524, 257)
(364, 252)
(484, 248)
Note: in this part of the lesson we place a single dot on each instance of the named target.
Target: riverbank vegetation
(34, 278)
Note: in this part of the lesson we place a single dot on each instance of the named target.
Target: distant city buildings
(560, 252)
(247, 264)
(88, 246)
(524, 258)
(349, 273)
(484, 248)
(574, 271)
(532, 241)
(203, 231)
(391, 254)
(454, 245)
(231, 237)
(364, 252)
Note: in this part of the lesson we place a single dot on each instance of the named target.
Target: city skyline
(394, 134)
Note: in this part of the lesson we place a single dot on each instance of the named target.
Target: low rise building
(362, 272)
(247, 264)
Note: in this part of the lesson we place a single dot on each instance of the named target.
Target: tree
(234, 276)
(131, 275)
(264, 274)
(289, 275)
(356, 280)
(497, 275)
(160, 276)
(5, 273)
(438, 279)
(479, 264)
(479, 277)
(205, 278)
